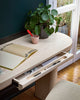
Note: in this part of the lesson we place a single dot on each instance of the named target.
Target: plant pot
(35, 39)
(43, 34)
(63, 29)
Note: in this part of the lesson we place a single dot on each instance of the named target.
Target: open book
(13, 55)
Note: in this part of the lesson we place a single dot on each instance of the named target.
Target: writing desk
(45, 77)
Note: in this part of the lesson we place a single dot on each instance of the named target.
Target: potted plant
(39, 21)
(65, 24)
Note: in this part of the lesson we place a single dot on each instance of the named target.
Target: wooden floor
(71, 73)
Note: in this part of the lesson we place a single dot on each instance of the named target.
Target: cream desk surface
(47, 48)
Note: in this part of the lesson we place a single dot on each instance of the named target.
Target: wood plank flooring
(71, 73)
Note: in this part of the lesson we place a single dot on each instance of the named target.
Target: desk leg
(45, 84)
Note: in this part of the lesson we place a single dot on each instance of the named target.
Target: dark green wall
(13, 15)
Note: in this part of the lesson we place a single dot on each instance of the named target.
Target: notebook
(12, 55)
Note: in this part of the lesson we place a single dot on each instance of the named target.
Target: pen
(29, 32)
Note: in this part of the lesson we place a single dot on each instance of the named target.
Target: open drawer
(36, 73)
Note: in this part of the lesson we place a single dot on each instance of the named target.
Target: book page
(10, 61)
(19, 50)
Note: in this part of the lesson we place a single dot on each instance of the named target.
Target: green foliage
(63, 2)
(42, 17)
(65, 16)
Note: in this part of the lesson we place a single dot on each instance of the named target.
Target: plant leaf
(34, 20)
(37, 30)
(48, 6)
(56, 18)
(51, 30)
(56, 29)
(45, 16)
(41, 21)
(51, 19)
(54, 12)
(47, 30)
(40, 5)
(60, 18)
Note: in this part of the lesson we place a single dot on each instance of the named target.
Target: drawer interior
(28, 73)
(37, 72)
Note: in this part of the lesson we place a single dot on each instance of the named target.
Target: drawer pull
(56, 62)
(37, 74)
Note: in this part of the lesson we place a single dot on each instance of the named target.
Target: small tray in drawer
(34, 74)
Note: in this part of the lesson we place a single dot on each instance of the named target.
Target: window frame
(74, 7)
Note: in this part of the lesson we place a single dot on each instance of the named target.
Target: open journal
(12, 55)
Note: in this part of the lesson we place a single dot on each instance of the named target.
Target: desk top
(47, 48)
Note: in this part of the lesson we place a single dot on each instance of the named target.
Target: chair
(64, 90)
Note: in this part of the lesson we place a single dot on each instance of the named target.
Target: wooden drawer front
(39, 71)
